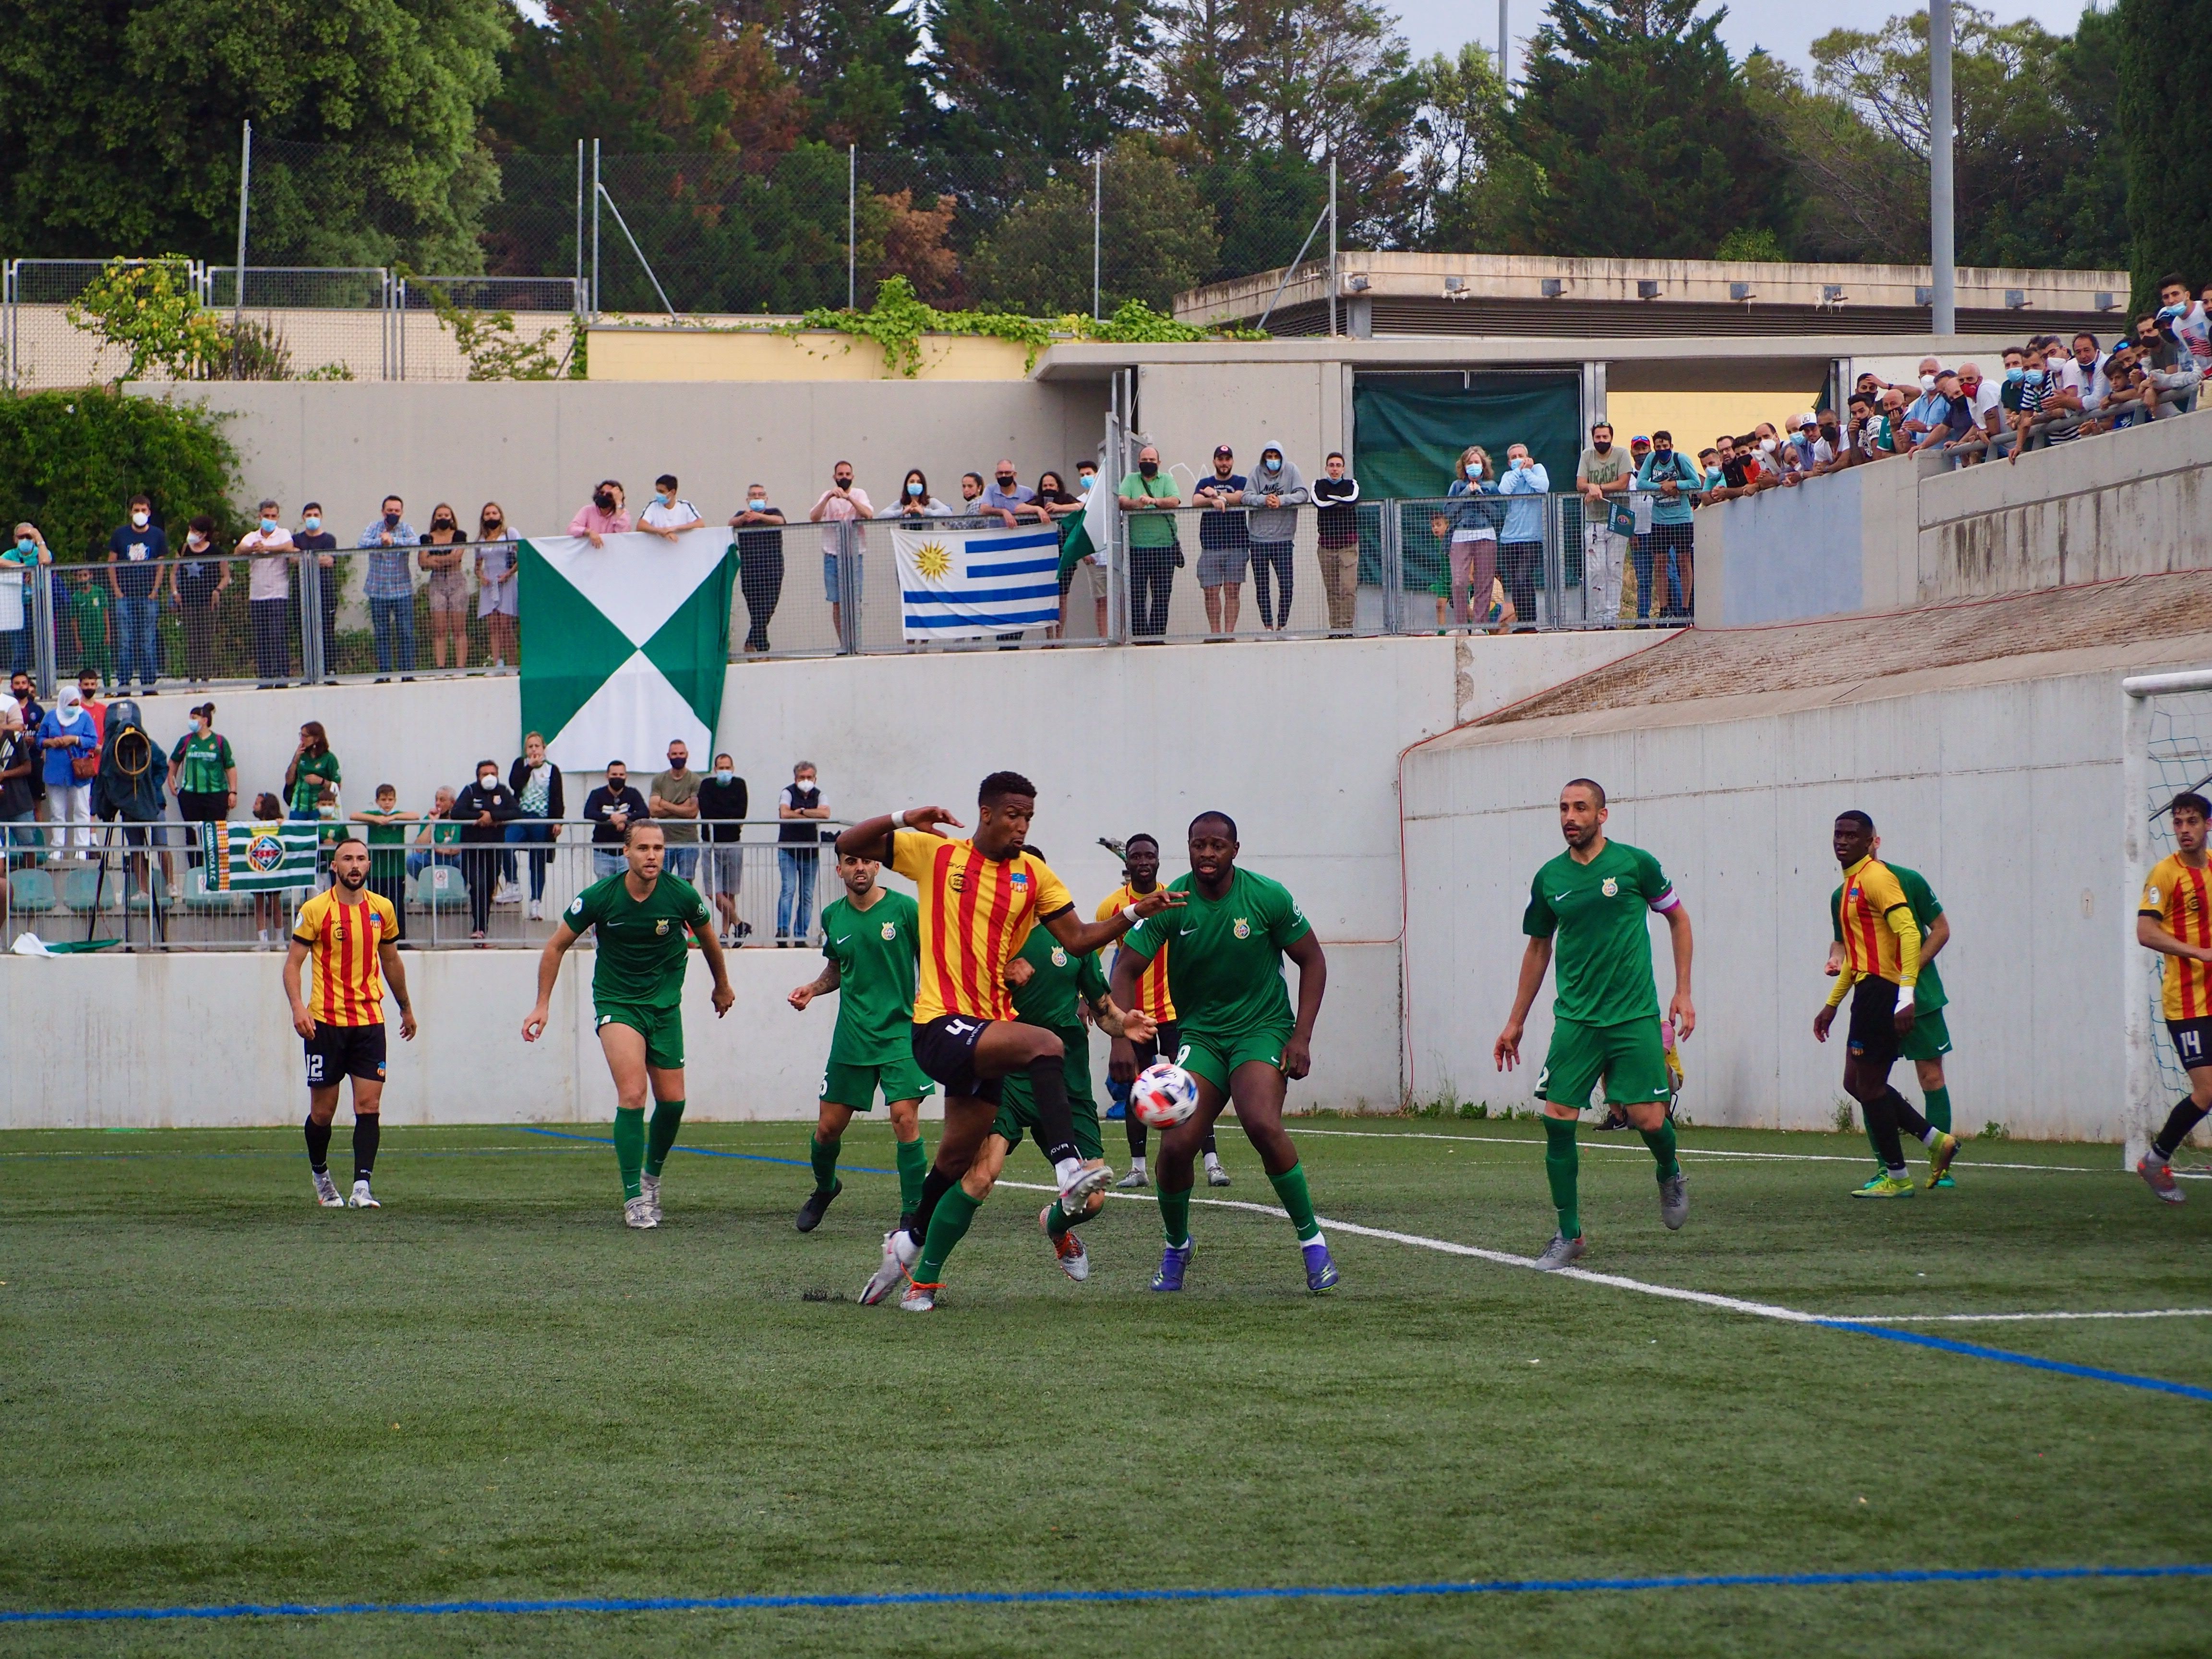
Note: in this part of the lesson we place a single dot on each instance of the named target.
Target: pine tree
(1638, 122)
(1053, 78)
(2166, 70)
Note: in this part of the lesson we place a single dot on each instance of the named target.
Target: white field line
(1967, 1161)
(1704, 1298)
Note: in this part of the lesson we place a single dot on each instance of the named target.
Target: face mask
(1005, 481)
(843, 484)
(1602, 448)
(603, 500)
(488, 782)
(1766, 445)
(392, 521)
(25, 544)
(914, 486)
(668, 498)
(760, 506)
(724, 776)
(313, 521)
(268, 525)
(197, 542)
(138, 519)
(2034, 377)
(441, 523)
(1928, 383)
(1148, 469)
(1661, 452)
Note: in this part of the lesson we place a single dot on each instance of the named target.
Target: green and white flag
(260, 858)
(625, 645)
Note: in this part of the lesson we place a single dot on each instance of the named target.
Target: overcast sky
(1785, 28)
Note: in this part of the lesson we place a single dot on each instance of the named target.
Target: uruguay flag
(966, 584)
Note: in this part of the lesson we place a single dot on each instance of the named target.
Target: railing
(144, 885)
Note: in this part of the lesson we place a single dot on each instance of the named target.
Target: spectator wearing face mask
(612, 808)
(2021, 398)
(20, 563)
(799, 851)
(19, 761)
(540, 804)
(318, 544)
(444, 549)
(1956, 423)
(1732, 480)
(1274, 493)
(1673, 481)
(759, 563)
(723, 801)
(602, 516)
(1982, 410)
(1521, 543)
(1148, 497)
(2077, 387)
(2191, 322)
(202, 775)
(1008, 500)
(134, 576)
(389, 586)
(483, 810)
(2168, 368)
(915, 503)
(843, 503)
(1336, 536)
(1925, 412)
(1224, 541)
(268, 596)
(1470, 548)
(70, 743)
(668, 515)
(1800, 450)
(499, 585)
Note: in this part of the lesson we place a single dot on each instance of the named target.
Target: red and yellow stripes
(975, 913)
(1881, 938)
(2180, 897)
(342, 942)
(1153, 1000)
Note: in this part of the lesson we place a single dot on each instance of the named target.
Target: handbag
(84, 767)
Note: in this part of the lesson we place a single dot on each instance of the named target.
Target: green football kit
(1232, 1006)
(637, 981)
(872, 1051)
(1060, 982)
(1605, 1016)
(1929, 1037)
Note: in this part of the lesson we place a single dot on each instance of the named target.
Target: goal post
(2166, 748)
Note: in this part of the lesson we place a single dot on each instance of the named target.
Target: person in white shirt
(840, 504)
(914, 499)
(268, 596)
(668, 515)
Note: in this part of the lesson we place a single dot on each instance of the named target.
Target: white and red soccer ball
(1163, 1095)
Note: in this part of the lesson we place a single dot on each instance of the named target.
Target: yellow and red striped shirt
(976, 912)
(1153, 1001)
(342, 941)
(1881, 938)
(2181, 899)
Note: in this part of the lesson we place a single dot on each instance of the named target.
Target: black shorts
(343, 1051)
(1166, 1045)
(945, 1047)
(1873, 1034)
(2192, 1042)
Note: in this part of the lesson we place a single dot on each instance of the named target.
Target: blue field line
(2126, 1379)
(1078, 1597)
(712, 1152)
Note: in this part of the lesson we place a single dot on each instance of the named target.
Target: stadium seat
(31, 889)
(199, 897)
(81, 890)
(438, 887)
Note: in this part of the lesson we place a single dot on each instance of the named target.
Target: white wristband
(898, 818)
(1129, 914)
(1905, 996)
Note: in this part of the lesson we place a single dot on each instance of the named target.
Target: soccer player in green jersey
(637, 995)
(1930, 1039)
(1592, 900)
(871, 938)
(1239, 1039)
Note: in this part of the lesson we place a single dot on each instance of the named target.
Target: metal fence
(145, 886)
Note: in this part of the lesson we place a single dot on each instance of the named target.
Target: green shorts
(854, 1087)
(1216, 1058)
(662, 1028)
(1928, 1039)
(1627, 1056)
(1017, 1116)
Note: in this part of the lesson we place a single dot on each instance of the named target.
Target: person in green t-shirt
(871, 939)
(1240, 1041)
(88, 616)
(1148, 497)
(637, 995)
(313, 766)
(1930, 1039)
(387, 851)
(1592, 900)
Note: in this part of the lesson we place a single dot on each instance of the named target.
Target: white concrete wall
(538, 449)
(2006, 796)
(1299, 739)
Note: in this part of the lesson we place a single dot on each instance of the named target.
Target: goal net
(2167, 748)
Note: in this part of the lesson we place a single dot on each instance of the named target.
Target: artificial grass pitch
(212, 1391)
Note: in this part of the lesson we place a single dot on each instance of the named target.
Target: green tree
(1468, 189)
(858, 64)
(2165, 53)
(1156, 235)
(1053, 78)
(68, 458)
(150, 311)
(119, 131)
(1639, 122)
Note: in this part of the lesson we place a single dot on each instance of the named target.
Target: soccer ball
(1163, 1095)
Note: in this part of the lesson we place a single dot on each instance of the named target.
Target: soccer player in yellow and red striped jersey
(1881, 962)
(352, 937)
(1141, 874)
(978, 900)
(2175, 920)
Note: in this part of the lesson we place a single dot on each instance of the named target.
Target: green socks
(946, 1228)
(1938, 1104)
(1291, 1188)
(1561, 1164)
(825, 1154)
(912, 1168)
(668, 1119)
(1662, 1143)
(630, 1148)
(1174, 1216)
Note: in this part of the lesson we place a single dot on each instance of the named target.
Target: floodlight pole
(1332, 245)
(1941, 250)
(597, 192)
(245, 194)
(852, 227)
(1098, 217)
(580, 213)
